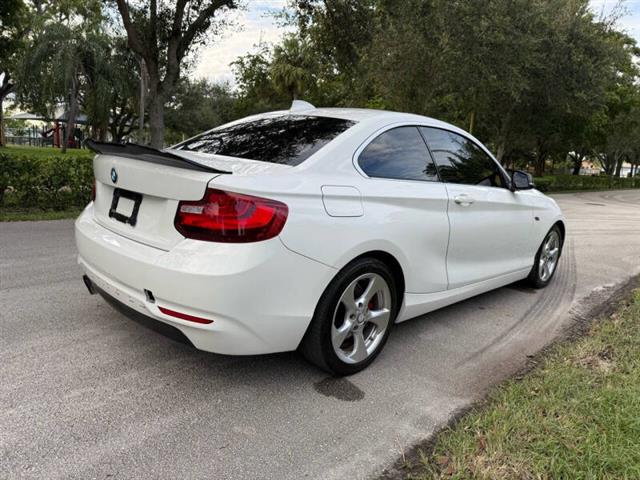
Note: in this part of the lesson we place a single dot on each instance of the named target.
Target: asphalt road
(87, 393)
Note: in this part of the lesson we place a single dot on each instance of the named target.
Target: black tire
(317, 345)
(536, 278)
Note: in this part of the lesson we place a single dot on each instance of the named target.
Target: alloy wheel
(549, 256)
(361, 318)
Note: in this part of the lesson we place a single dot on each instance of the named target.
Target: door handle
(463, 200)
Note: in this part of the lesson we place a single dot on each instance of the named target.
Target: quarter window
(399, 153)
(459, 160)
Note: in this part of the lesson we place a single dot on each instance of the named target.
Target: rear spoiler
(148, 154)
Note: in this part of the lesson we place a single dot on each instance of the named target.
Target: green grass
(13, 215)
(575, 416)
(44, 152)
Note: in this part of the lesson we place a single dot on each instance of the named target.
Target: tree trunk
(500, 152)
(610, 163)
(540, 160)
(607, 162)
(577, 162)
(156, 119)
(472, 122)
(1, 121)
(503, 137)
(5, 89)
(577, 158)
(619, 166)
(576, 168)
(73, 113)
(143, 90)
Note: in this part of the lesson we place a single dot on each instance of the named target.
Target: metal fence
(31, 141)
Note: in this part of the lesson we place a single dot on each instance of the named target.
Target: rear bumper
(260, 296)
(163, 328)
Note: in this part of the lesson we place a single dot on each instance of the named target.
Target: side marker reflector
(184, 316)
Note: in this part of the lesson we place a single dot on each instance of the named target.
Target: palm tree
(291, 66)
(52, 72)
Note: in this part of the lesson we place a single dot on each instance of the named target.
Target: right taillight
(230, 217)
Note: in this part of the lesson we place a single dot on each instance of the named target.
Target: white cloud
(254, 25)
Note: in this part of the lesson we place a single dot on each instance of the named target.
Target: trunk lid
(159, 188)
(138, 188)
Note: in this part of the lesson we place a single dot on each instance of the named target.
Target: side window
(399, 153)
(460, 160)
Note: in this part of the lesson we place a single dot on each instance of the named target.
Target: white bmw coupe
(313, 229)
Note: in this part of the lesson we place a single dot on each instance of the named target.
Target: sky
(256, 23)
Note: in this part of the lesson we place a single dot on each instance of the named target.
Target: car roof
(370, 117)
(358, 115)
(363, 115)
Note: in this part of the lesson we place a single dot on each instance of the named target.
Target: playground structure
(50, 133)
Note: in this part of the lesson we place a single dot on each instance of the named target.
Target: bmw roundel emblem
(114, 175)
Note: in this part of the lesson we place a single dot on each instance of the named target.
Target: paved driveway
(87, 393)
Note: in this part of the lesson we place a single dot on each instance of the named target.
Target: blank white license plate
(125, 206)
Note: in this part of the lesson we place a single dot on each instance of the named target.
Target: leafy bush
(558, 183)
(50, 183)
(60, 182)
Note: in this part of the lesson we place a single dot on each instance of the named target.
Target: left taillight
(93, 191)
(230, 217)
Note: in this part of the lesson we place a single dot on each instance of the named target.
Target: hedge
(54, 183)
(559, 183)
(61, 182)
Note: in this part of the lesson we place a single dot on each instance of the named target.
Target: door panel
(489, 224)
(490, 231)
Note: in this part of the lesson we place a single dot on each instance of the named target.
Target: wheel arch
(563, 229)
(396, 270)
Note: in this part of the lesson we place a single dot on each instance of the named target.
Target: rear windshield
(288, 139)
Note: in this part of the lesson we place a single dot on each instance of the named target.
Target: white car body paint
(261, 296)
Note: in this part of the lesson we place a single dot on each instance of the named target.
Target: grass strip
(11, 215)
(577, 415)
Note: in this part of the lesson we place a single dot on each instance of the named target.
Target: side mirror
(521, 181)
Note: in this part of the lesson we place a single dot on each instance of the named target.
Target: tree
(337, 34)
(162, 35)
(291, 67)
(617, 135)
(53, 72)
(634, 146)
(197, 106)
(528, 77)
(111, 89)
(513, 72)
(257, 93)
(619, 141)
(62, 40)
(13, 21)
